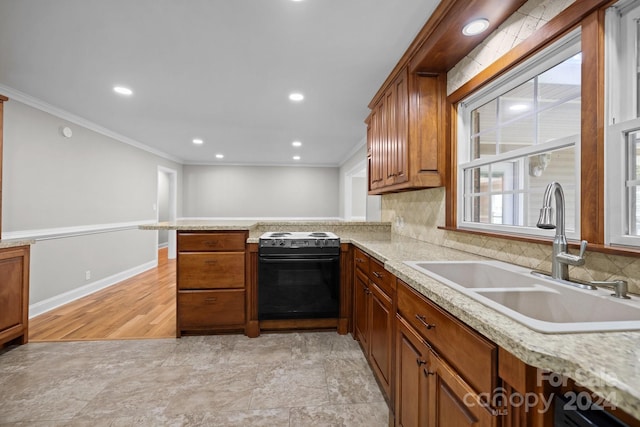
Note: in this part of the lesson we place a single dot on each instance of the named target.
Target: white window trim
(526, 71)
(621, 107)
(617, 210)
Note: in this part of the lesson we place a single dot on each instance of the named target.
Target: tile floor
(295, 379)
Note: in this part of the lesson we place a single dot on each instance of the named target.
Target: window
(517, 135)
(622, 27)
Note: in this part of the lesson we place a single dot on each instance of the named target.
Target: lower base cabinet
(429, 393)
(14, 295)
(211, 310)
(412, 392)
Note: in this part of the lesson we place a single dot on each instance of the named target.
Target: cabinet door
(452, 401)
(389, 156)
(378, 144)
(381, 336)
(361, 310)
(412, 379)
(401, 128)
(11, 289)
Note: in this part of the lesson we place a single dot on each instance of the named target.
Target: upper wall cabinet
(404, 133)
(406, 130)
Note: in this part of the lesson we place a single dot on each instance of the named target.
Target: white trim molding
(81, 121)
(80, 230)
(41, 307)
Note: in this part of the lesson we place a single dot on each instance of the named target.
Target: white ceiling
(220, 70)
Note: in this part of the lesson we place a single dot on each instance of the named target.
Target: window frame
(557, 52)
(623, 117)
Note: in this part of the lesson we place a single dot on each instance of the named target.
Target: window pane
(633, 172)
(545, 168)
(561, 82)
(517, 102)
(559, 122)
(518, 134)
(484, 145)
(493, 193)
(485, 117)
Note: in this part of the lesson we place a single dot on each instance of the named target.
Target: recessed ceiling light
(122, 90)
(475, 27)
(296, 143)
(219, 156)
(296, 96)
(519, 107)
(296, 157)
(198, 141)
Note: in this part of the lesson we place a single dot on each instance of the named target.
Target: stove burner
(318, 235)
(280, 234)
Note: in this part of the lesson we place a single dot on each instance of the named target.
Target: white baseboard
(41, 307)
(163, 245)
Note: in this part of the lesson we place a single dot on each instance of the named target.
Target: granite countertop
(607, 363)
(13, 243)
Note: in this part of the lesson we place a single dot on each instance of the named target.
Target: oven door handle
(281, 260)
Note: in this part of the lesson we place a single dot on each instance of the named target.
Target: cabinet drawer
(206, 270)
(210, 309)
(200, 242)
(473, 356)
(361, 260)
(381, 277)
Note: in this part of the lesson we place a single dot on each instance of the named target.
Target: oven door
(298, 287)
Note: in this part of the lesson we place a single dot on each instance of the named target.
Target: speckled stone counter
(15, 243)
(257, 228)
(608, 363)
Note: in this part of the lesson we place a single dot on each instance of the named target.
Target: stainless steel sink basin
(538, 303)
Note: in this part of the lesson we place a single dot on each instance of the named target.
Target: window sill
(592, 247)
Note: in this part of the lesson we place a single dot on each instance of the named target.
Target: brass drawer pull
(212, 242)
(420, 362)
(359, 260)
(211, 262)
(427, 372)
(422, 319)
(378, 275)
(210, 300)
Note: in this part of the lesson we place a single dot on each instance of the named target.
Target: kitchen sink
(476, 274)
(539, 303)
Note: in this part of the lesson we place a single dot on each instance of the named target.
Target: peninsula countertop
(14, 243)
(608, 363)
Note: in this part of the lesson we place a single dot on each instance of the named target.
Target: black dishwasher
(574, 413)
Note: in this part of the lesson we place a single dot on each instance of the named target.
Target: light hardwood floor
(143, 306)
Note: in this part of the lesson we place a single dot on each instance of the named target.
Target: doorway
(358, 205)
(167, 207)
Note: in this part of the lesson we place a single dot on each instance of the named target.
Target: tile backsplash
(418, 214)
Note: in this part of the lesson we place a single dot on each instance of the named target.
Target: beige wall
(422, 212)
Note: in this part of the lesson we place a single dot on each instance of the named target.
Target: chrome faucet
(560, 259)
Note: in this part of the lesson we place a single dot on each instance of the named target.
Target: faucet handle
(583, 248)
(570, 259)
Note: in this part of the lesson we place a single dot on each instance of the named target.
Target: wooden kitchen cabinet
(442, 367)
(211, 281)
(373, 316)
(14, 295)
(361, 309)
(405, 134)
(412, 387)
